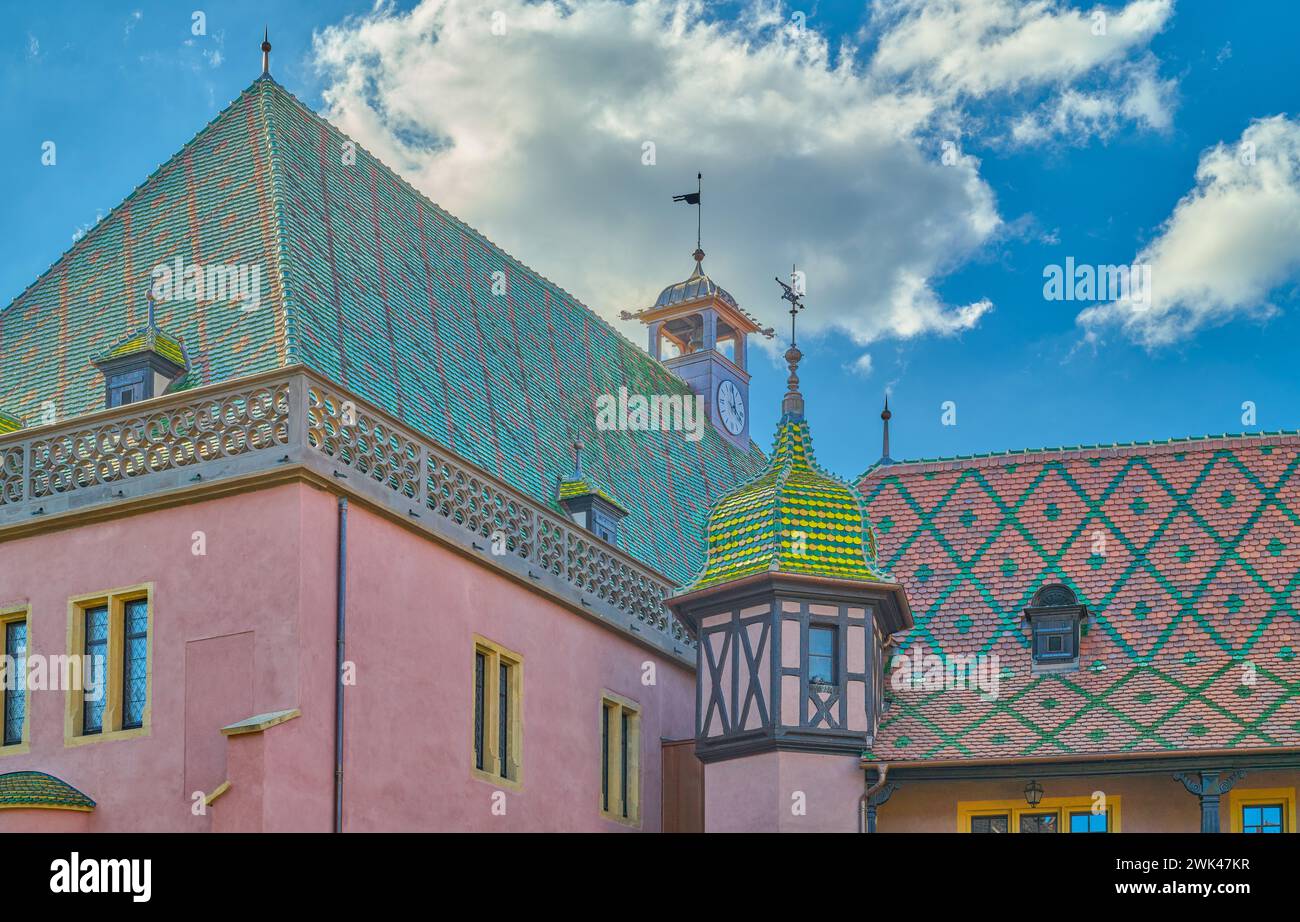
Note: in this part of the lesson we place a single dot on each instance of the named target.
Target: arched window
(1054, 615)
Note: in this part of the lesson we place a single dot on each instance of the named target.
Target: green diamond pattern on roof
(369, 283)
(1191, 590)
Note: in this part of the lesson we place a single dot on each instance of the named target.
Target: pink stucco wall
(249, 628)
(783, 792)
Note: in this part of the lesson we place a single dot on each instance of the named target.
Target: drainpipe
(339, 633)
(868, 790)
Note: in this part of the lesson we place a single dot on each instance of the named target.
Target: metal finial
(792, 404)
(266, 52)
(577, 458)
(885, 416)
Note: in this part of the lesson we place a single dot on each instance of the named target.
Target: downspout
(868, 791)
(340, 633)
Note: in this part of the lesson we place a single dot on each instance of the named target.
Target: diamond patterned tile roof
(793, 517)
(368, 282)
(1187, 555)
(40, 790)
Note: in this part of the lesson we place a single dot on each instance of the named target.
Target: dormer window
(588, 505)
(143, 365)
(1055, 617)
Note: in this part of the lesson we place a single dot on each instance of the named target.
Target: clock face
(731, 407)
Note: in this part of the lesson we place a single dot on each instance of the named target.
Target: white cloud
(536, 136)
(958, 50)
(862, 365)
(1229, 243)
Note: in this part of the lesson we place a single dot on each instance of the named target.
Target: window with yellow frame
(498, 736)
(1052, 814)
(15, 730)
(110, 638)
(620, 758)
(1264, 810)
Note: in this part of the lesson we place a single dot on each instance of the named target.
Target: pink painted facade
(249, 628)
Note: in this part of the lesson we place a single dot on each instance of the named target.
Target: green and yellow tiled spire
(793, 517)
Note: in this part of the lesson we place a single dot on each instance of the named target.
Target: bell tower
(697, 329)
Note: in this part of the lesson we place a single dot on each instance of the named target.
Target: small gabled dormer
(9, 423)
(143, 365)
(1055, 618)
(588, 505)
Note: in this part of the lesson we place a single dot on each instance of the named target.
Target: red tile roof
(1186, 553)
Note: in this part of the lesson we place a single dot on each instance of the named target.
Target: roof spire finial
(266, 52)
(695, 198)
(577, 457)
(793, 402)
(149, 299)
(885, 416)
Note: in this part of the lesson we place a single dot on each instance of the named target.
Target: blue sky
(120, 87)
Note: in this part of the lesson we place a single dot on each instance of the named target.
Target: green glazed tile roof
(369, 283)
(9, 423)
(793, 517)
(37, 789)
(148, 339)
(1186, 553)
(572, 489)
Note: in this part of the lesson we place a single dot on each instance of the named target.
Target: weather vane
(792, 294)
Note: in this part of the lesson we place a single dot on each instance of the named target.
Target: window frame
(9, 615)
(1015, 808)
(495, 658)
(619, 733)
(833, 629)
(1239, 799)
(115, 600)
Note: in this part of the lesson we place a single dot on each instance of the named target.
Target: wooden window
(620, 759)
(821, 656)
(1262, 810)
(1053, 814)
(13, 715)
(109, 696)
(498, 713)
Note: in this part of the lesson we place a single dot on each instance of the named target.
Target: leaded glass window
(604, 758)
(480, 670)
(96, 670)
(988, 824)
(15, 690)
(1262, 818)
(1038, 822)
(135, 661)
(619, 758)
(503, 720)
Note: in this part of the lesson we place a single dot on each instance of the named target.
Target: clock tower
(699, 331)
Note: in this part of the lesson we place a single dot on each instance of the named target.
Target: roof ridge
(1029, 453)
(264, 84)
(81, 242)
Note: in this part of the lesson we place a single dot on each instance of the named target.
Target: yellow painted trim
(496, 655)
(116, 600)
(220, 789)
(8, 615)
(268, 720)
(617, 704)
(1014, 809)
(1251, 797)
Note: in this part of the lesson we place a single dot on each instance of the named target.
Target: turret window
(821, 656)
